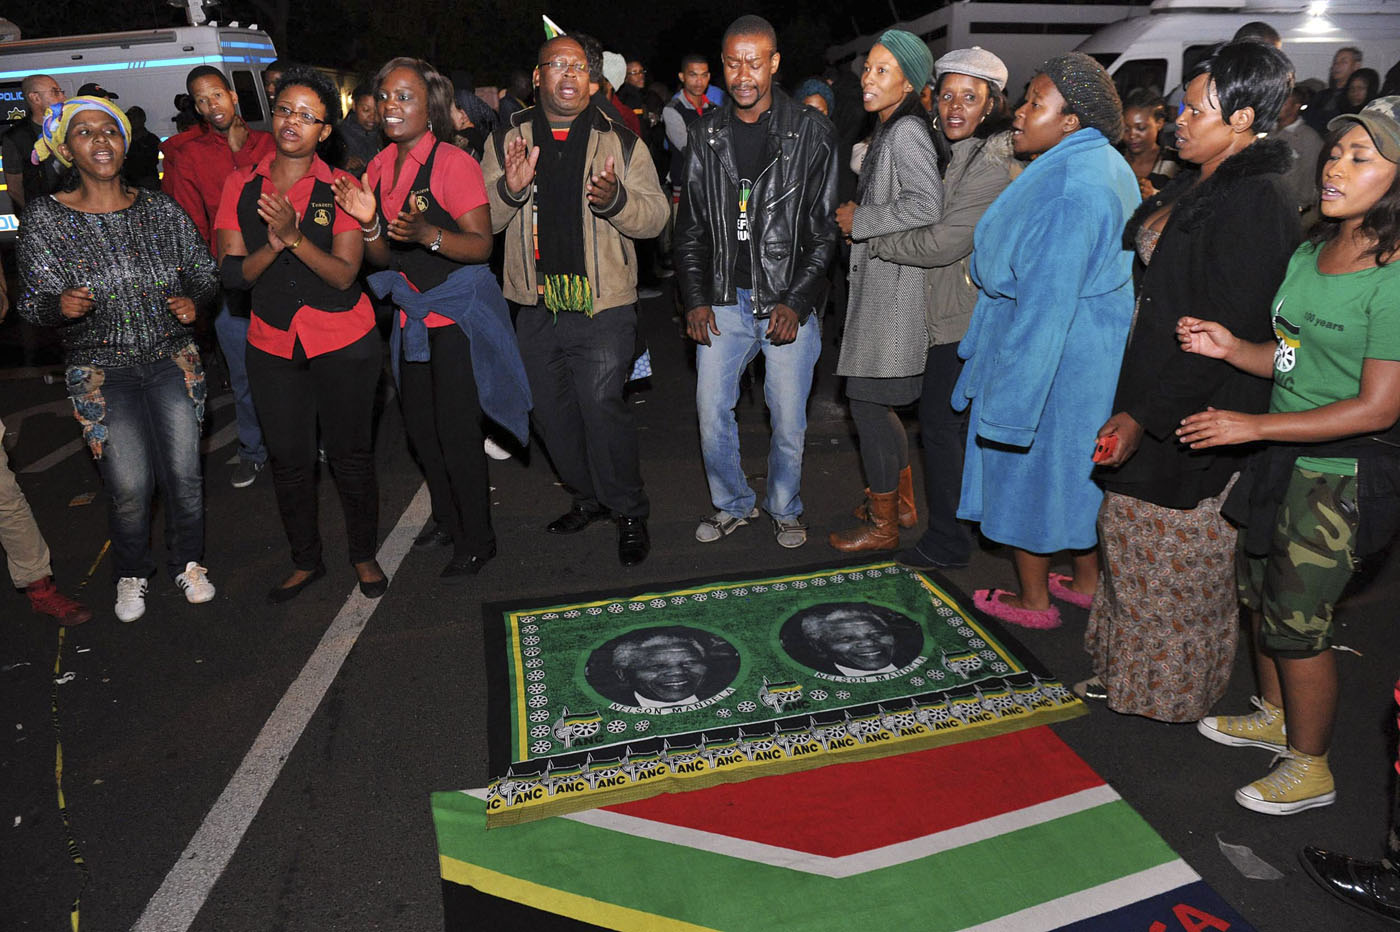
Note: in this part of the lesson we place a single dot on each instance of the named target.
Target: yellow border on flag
(560, 902)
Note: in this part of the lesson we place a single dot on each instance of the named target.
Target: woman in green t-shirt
(1332, 415)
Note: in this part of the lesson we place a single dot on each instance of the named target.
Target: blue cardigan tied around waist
(472, 299)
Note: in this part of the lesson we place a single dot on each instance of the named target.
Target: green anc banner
(597, 700)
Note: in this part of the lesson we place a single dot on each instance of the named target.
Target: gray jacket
(886, 335)
(980, 170)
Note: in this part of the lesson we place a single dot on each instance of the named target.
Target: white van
(1158, 49)
(145, 68)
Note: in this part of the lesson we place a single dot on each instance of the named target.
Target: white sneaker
(790, 532)
(721, 525)
(495, 450)
(195, 583)
(131, 598)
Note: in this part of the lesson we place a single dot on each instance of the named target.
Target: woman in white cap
(886, 337)
(968, 89)
(1324, 494)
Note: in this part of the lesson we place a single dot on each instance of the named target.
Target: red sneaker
(45, 599)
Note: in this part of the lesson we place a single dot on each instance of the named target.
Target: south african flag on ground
(1013, 832)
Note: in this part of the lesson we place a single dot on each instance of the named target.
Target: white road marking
(189, 883)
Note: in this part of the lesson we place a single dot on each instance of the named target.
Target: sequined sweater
(132, 259)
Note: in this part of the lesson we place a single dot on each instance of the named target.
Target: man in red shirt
(195, 171)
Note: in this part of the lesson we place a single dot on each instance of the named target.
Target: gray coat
(886, 336)
(980, 170)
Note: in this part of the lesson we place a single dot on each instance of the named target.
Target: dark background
(490, 38)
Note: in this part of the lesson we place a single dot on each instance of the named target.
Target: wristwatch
(437, 242)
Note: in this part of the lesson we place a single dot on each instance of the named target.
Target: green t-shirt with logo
(1324, 327)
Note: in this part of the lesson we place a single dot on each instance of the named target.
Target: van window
(1193, 56)
(1105, 58)
(1140, 72)
(250, 96)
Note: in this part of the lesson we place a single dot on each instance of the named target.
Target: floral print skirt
(1165, 621)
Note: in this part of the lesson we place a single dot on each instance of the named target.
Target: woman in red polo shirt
(423, 213)
(314, 354)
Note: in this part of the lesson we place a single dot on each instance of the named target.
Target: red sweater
(197, 166)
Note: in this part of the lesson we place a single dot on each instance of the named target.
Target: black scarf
(559, 203)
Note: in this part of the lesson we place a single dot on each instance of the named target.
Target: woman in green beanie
(886, 339)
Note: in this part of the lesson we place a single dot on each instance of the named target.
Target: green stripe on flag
(940, 892)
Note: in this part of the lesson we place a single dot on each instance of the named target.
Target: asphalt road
(158, 719)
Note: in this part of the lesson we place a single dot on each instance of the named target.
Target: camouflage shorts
(1297, 585)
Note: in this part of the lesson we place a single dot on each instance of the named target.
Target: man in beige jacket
(572, 189)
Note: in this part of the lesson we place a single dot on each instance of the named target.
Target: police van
(1157, 50)
(143, 68)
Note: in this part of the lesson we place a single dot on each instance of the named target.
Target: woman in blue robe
(1047, 336)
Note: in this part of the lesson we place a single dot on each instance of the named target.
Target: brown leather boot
(881, 532)
(908, 512)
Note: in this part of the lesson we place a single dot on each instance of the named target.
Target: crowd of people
(1163, 339)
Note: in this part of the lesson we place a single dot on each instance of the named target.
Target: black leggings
(884, 445)
(443, 420)
(337, 390)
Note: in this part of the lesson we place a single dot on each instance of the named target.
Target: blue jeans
(787, 382)
(148, 415)
(232, 333)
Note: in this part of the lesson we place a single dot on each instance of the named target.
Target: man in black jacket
(754, 236)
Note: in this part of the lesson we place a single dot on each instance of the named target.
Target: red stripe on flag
(953, 786)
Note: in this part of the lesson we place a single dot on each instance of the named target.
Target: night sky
(488, 38)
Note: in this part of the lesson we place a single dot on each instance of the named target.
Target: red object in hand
(1106, 447)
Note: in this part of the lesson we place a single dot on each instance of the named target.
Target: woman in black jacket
(1164, 621)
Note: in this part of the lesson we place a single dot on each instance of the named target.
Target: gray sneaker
(721, 524)
(790, 532)
(246, 473)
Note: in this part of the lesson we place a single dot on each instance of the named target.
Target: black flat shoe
(374, 589)
(633, 541)
(916, 559)
(1367, 885)
(459, 568)
(575, 520)
(280, 594)
(434, 535)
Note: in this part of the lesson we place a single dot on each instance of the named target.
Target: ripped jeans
(142, 425)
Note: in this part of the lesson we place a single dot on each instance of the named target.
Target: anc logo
(1286, 353)
(420, 203)
(321, 215)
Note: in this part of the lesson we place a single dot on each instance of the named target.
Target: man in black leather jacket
(754, 236)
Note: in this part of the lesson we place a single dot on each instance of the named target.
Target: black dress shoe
(575, 520)
(633, 541)
(280, 594)
(434, 535)
(459, 568)
(1367, 885)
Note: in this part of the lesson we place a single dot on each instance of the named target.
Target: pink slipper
(1059, 588)
(988, 600)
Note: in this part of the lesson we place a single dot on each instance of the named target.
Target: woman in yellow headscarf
(121, 272)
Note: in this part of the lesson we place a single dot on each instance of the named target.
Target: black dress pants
(577, 366)
(942, 434)
(443, 419)
(337, 390)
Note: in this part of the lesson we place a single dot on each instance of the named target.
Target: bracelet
(437, 242)
(293, 246)
(377, 230)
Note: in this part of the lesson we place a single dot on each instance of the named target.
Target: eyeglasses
(638, 71)
(559, 66)
(287, 113)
